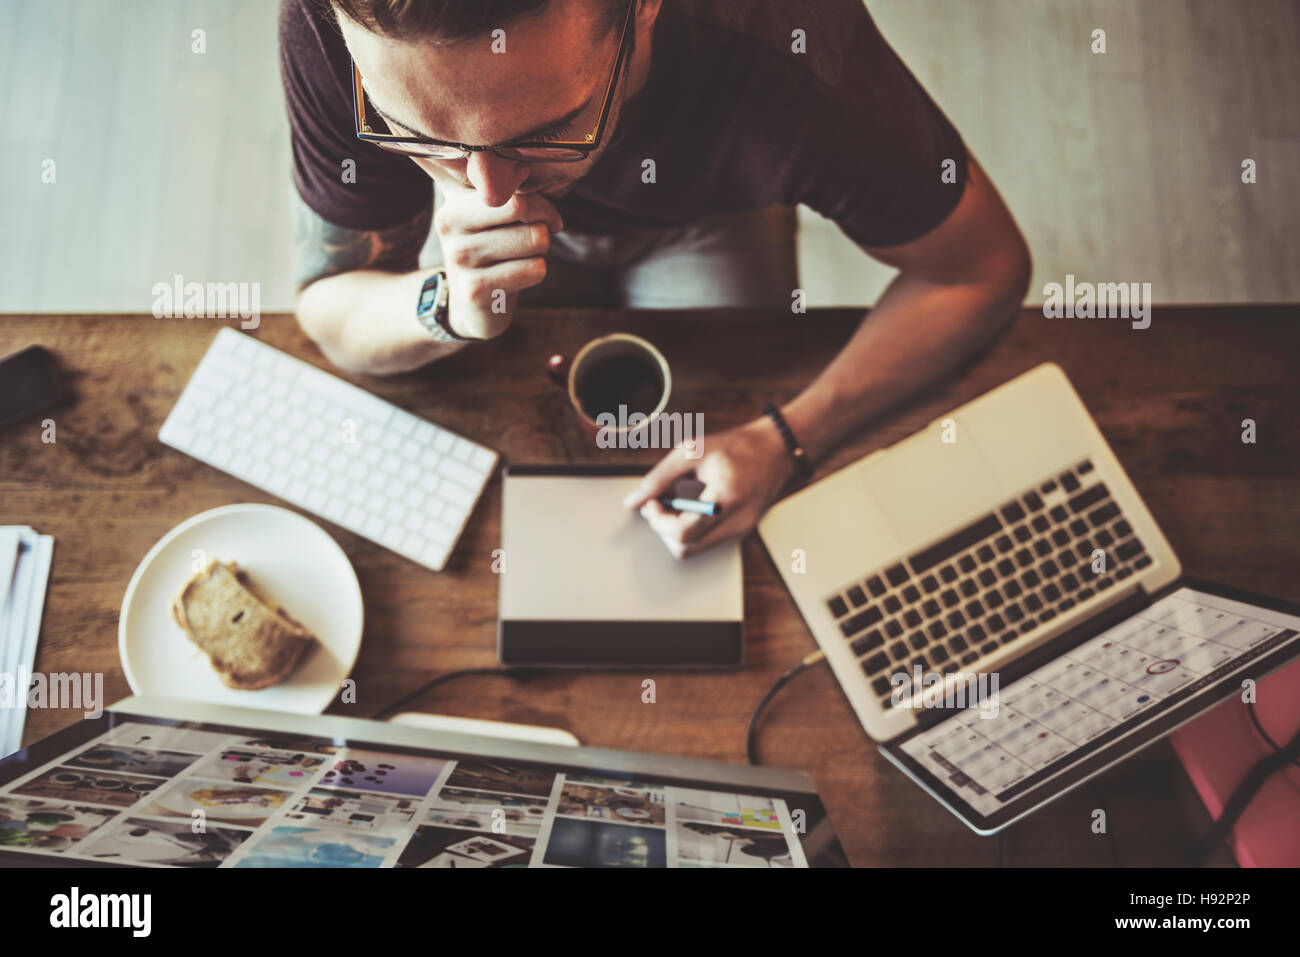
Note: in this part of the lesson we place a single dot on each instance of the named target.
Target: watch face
(428, 295)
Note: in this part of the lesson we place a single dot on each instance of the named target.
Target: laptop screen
(1007, 749)
(128, 789)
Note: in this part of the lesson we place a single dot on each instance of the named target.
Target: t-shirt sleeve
(873, 157)
(316, 72)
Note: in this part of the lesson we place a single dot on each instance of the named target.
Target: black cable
(1245, 793)
(1254, 718)
(751, 746)
(516, 674)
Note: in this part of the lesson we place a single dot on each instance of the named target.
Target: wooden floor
(1120, 167)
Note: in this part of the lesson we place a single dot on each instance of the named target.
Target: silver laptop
(1001, 609)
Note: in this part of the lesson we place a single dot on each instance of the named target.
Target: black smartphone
(27, 384)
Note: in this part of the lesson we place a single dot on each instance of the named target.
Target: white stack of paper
(24, 572)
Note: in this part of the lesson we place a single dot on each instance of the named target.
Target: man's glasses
(524, 151)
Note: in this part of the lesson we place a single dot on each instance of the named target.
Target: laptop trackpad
(929, 488)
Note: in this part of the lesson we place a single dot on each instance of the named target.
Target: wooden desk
(1170, 399)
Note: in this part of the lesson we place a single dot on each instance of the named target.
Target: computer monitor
(157, 782)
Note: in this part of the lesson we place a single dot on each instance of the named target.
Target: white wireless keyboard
(329, 447)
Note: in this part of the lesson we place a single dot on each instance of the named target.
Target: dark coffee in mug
(630, 380)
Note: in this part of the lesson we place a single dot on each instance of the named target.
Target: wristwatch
(432, 309)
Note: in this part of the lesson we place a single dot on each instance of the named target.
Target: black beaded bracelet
(801, 463)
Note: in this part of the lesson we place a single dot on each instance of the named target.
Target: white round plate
(291, 559)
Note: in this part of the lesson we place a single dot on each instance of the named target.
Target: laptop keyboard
(991, 583)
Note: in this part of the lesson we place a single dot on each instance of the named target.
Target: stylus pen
(711, 509)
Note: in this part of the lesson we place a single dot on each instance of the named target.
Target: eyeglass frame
(586, 146)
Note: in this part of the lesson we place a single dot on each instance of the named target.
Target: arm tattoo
(322, 249)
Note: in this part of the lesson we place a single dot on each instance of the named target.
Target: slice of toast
(252, 642)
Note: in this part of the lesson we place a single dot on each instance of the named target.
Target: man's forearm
(365, 321)
(917, 332)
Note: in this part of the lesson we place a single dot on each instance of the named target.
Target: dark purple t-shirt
(733, 117)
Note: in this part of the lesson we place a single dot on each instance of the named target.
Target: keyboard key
(857, 596)
(1012, 512)
(984, 553)
(938, 654)
(976, 634)
(1058, 513)
(1123, 529)
(1014, 612)
(1033, 603)
(893, 629)
(1128, 549)
(1084, 548)
(920, 661)
(1005, 567)
(937, 630)
(898, 650)
(995, 623)
(1040, 524)
(1042, 548)
(1104, 583)
(1084, 467)
(912, 618)
(860, 622)
(1048, 486)
(1069, 582)
(896, 575)
(1084, 594)
(930, 583)
(1123, 573)
(1027, 626)
(1003, 544)
(875, 586)
(993, 599)
(1030, 579)
(1009, 637)
(1142, 562)
(1104, 539)
(989, 647)
(918, 640)
(892, 604)
(1023, 534)
(968, 588)
(1048, 569)
(1069, 482)
(949, 598)
(930, 608)
(868, 642)
(1067, 559)
(948, 574)
(1078, 528)
(956, 619)
(910, 594)
(877, 662)
(881, 686)
(957, 643)
(1051, 592)
(1104, 514)
(1088, 498)
(1033, 502)
(974, 610)
(969, 657)
(1065, 605)
(986, 577)
(1024, 557)
(1060, 537)
(966, 564)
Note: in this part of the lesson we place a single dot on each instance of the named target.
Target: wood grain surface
(1169, 399)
